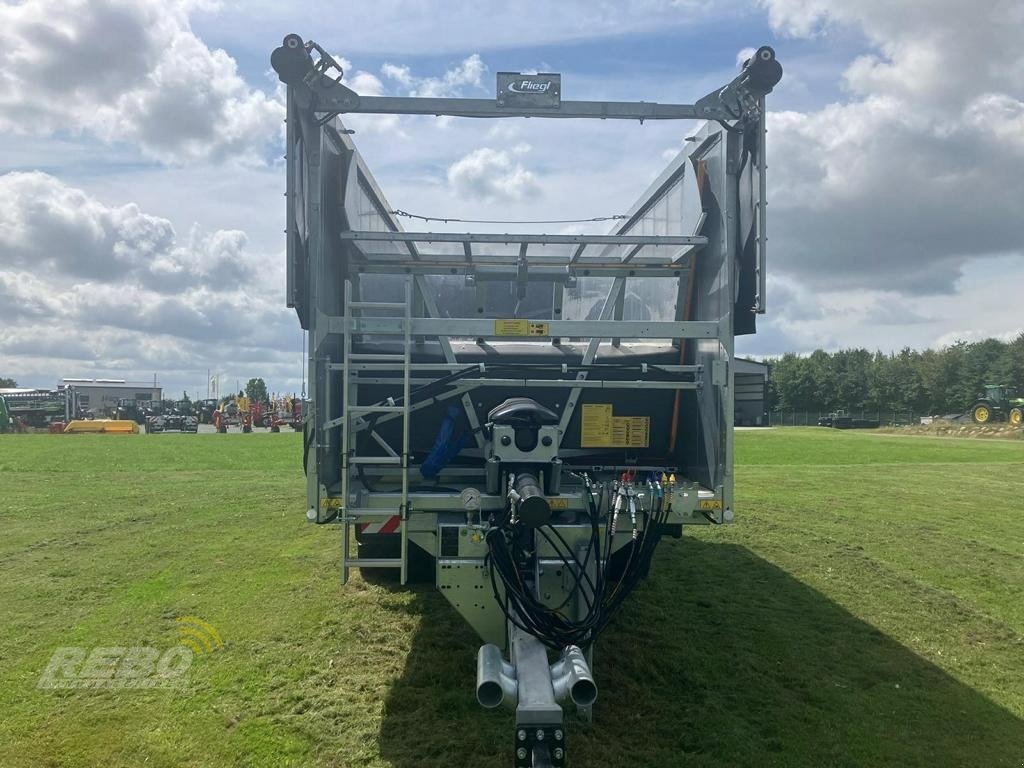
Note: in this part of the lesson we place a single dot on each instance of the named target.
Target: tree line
(933, 381)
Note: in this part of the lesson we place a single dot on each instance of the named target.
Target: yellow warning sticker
(710, 504)
(631, 431)
(601, 428)
(558, 503)
(515, 327)
(326, 503)
(596, 426)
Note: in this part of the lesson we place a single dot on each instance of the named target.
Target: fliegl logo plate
(540, 91)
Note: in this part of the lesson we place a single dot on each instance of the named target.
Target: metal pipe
(532, 507)
(571, 678)
(495, 678)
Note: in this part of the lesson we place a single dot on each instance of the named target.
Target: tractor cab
(997, 393)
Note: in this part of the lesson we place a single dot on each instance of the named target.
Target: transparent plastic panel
(491, 299)
(585, 300)
(676, 212)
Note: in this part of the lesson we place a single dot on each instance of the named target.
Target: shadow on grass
(721, 659)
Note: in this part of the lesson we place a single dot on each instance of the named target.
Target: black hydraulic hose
(521, 606)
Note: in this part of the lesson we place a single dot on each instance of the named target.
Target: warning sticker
(596, 426)
(519, 328)
(631, 431)
(600, 428)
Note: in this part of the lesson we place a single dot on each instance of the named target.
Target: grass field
(867, 609)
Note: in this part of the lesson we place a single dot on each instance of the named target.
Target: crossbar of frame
(485, 328)
(510, 238)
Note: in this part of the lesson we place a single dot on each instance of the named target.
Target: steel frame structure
(375, 362)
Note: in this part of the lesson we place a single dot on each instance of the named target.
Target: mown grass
(865, 610)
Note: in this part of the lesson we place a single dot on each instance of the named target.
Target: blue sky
(142, 180)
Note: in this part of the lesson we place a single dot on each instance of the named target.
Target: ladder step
(377, 358)
(375, 562)
(375, 460)
(375, 408)
(377, 305)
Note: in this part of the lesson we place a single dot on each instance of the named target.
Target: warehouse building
(101, 396)
(750, 387)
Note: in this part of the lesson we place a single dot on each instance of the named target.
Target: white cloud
(493, 175)
(468, 73)
(61, 231)
(128, 72)
(919, 171)
(103, 287)
(802, 318)
(465, 74)
(400, 74)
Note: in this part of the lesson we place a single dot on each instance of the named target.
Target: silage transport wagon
(520, 418)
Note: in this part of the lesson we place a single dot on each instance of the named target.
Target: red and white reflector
(387, 525)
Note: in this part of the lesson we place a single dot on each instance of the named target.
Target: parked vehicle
(177, 418)
(130, 409)
(38, 407)
(487, 410)
(998, 403)
(841, 419)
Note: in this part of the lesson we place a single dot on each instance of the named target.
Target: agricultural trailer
(38, 407)
(527, 447)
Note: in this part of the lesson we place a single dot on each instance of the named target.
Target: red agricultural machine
(235, 411)
(284, 412)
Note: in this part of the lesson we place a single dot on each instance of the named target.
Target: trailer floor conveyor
(520, 418)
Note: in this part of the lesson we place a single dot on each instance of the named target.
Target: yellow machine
(102, 426)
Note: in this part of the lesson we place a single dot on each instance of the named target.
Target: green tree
(256, 390)
(935, 381)
(6, 383)
(851, 384)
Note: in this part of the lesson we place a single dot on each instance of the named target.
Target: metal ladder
(351, 410)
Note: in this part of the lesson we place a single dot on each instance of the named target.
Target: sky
(141, 178)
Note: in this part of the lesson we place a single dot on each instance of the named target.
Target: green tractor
(998, 403)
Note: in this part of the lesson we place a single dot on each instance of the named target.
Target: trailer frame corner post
(291, 229)
(761, 301)
(543, 452)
